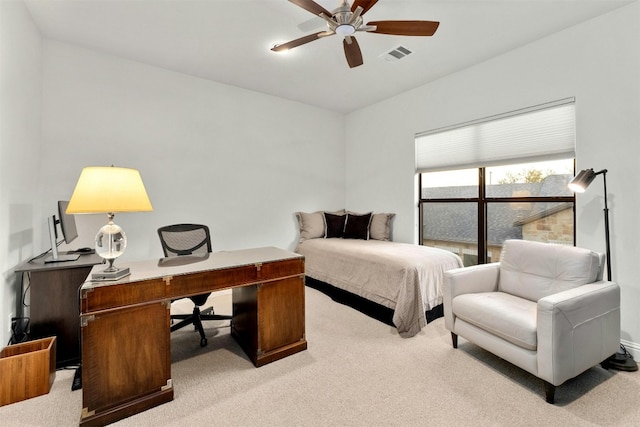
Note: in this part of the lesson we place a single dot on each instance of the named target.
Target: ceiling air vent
(396, 54)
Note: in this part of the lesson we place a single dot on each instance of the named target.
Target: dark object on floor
(621, 361)
(379, 312)
(19, 328)
(77, 379)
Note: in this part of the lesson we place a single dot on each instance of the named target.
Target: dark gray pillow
(334, 224)
(357, 226)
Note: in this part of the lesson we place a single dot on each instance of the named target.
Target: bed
(402, 277)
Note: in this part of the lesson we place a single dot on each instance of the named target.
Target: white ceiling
(228, 41)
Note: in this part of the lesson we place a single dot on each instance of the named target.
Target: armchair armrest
(465, 280)
(577, 329)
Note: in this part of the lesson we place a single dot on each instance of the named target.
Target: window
(472, 210)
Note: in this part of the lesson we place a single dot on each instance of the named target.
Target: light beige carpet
(356, 372)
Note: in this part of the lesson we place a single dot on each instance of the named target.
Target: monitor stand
(53, 237)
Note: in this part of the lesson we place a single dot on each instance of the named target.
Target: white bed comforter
(403, 277)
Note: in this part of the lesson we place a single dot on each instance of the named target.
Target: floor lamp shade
(584, 178)
(581, 181)
(109, 190)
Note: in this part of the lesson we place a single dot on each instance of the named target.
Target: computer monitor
(69, 233)
(67, 222)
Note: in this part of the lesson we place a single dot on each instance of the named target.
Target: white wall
(598, 62)
(240, 161)
(21, 92)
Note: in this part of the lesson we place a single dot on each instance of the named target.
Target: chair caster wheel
(203, 342)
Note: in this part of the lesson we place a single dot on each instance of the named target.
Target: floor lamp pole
(606, 225)
(622, 360)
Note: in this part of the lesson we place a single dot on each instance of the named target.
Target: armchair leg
(549, 392)
(454, 340)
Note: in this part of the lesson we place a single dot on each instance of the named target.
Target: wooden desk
(126, 347)
(53, 296)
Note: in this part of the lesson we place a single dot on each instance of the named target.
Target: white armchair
(543, 307)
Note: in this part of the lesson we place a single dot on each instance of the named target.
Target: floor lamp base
(622, 361)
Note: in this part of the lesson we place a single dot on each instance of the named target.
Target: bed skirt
(363, 305)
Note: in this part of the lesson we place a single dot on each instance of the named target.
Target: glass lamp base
(111, 242)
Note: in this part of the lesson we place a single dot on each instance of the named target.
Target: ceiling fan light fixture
(276, 48)
(345, 30)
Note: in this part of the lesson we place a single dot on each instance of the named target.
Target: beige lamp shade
(109, 189)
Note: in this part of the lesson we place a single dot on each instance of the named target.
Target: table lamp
(109, 190)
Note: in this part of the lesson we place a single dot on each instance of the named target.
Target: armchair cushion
(534, 270)
(511, 318)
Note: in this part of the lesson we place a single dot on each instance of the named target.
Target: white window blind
(542, 132)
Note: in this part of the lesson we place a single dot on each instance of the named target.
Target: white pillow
(380, 226)
(312, 225)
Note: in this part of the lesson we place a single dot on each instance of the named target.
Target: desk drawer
(269, 319)
(280, 269)
(214, 280)
(121, 294)
(208, 281)
(126, 362)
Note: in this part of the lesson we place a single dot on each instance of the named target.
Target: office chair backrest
(185, 239)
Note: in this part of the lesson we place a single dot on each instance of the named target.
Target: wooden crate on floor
(27, 370)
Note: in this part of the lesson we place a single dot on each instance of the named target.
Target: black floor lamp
(621, 360)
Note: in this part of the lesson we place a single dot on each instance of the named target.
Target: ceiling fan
(346, 20)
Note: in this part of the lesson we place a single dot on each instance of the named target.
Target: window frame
(483, 203)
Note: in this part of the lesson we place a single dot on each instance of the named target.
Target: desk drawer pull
(85, 292)
(85, 320)
(87, 413)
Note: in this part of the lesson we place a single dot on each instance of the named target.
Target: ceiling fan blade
(352, 51)
(405, 28)
(365, 4)
(311, 6)
(298, 42)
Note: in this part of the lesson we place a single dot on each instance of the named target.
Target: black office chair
(190, 239)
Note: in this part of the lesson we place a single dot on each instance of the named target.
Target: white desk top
(187, 264)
